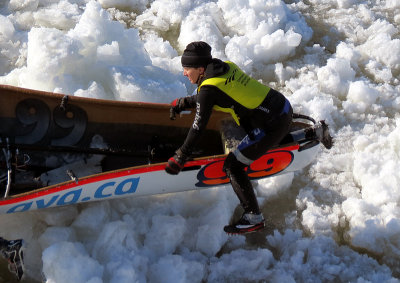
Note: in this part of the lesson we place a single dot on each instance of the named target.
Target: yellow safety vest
(240, 87)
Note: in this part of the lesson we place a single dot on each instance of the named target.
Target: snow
(337, 220)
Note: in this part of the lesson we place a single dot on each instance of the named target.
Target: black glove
(176, 163)
(177, 106)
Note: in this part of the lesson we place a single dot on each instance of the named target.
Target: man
(12, 251)
(264, 113)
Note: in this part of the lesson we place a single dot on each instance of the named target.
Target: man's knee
(232, 165)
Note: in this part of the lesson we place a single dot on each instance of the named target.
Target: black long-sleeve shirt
(208, 96)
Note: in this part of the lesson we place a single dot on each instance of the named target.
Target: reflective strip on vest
(240, 87)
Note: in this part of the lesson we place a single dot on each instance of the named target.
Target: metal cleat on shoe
(14, 254)
(323, 135)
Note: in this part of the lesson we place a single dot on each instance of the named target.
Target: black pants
(250, 150)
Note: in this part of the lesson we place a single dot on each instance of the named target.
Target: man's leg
(249, 150)
(241, 184)
(252, 219)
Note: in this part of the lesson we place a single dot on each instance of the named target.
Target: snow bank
(331, 64)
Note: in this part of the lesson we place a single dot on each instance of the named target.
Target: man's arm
(204, 106)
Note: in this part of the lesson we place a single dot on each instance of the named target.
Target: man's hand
(177, 106)
(176, 163)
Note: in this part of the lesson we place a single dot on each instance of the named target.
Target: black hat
(196, 54)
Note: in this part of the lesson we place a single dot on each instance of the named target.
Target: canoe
(61, 149)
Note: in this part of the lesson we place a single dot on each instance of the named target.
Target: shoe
(323, 135)
(248, 223)
(15, 256)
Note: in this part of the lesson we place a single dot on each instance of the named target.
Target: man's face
(193, 74)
